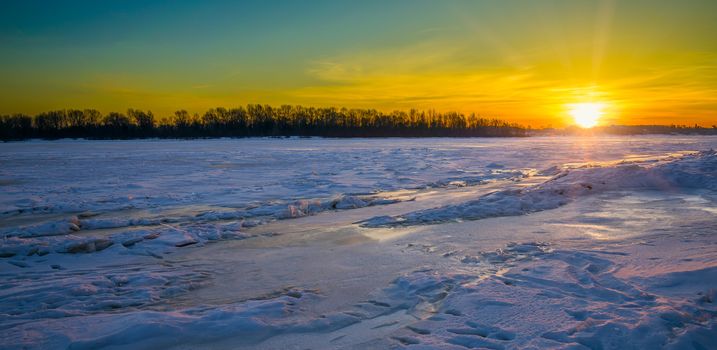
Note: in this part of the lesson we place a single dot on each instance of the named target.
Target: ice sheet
(316, 243)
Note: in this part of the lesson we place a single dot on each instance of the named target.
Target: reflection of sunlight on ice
(597, 235)
(701, 203)
(709, 209)
(385, 234)
(600, 232)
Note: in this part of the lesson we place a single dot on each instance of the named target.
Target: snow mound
(75, 234)
(695, 171)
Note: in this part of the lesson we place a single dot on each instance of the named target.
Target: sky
(526, 61)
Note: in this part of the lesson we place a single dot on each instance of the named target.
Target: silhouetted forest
(252, 120)
(264, 120)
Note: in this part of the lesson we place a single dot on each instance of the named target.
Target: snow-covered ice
(693, 171)
(595, 242)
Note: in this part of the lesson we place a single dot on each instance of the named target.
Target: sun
(586, 115)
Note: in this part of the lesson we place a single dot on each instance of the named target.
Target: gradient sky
(649, 61)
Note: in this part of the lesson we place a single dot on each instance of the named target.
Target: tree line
(659, 129)
(673, 129)
(252, 120)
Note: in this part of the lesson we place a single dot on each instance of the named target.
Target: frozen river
(599, 242)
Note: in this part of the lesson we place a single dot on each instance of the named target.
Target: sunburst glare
(586, 115)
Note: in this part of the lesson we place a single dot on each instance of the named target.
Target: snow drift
(696, 171)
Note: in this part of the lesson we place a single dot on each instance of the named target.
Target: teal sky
(647, 61)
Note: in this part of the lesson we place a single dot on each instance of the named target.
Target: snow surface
(601, 243)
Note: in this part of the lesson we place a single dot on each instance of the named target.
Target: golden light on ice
(586, 115)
